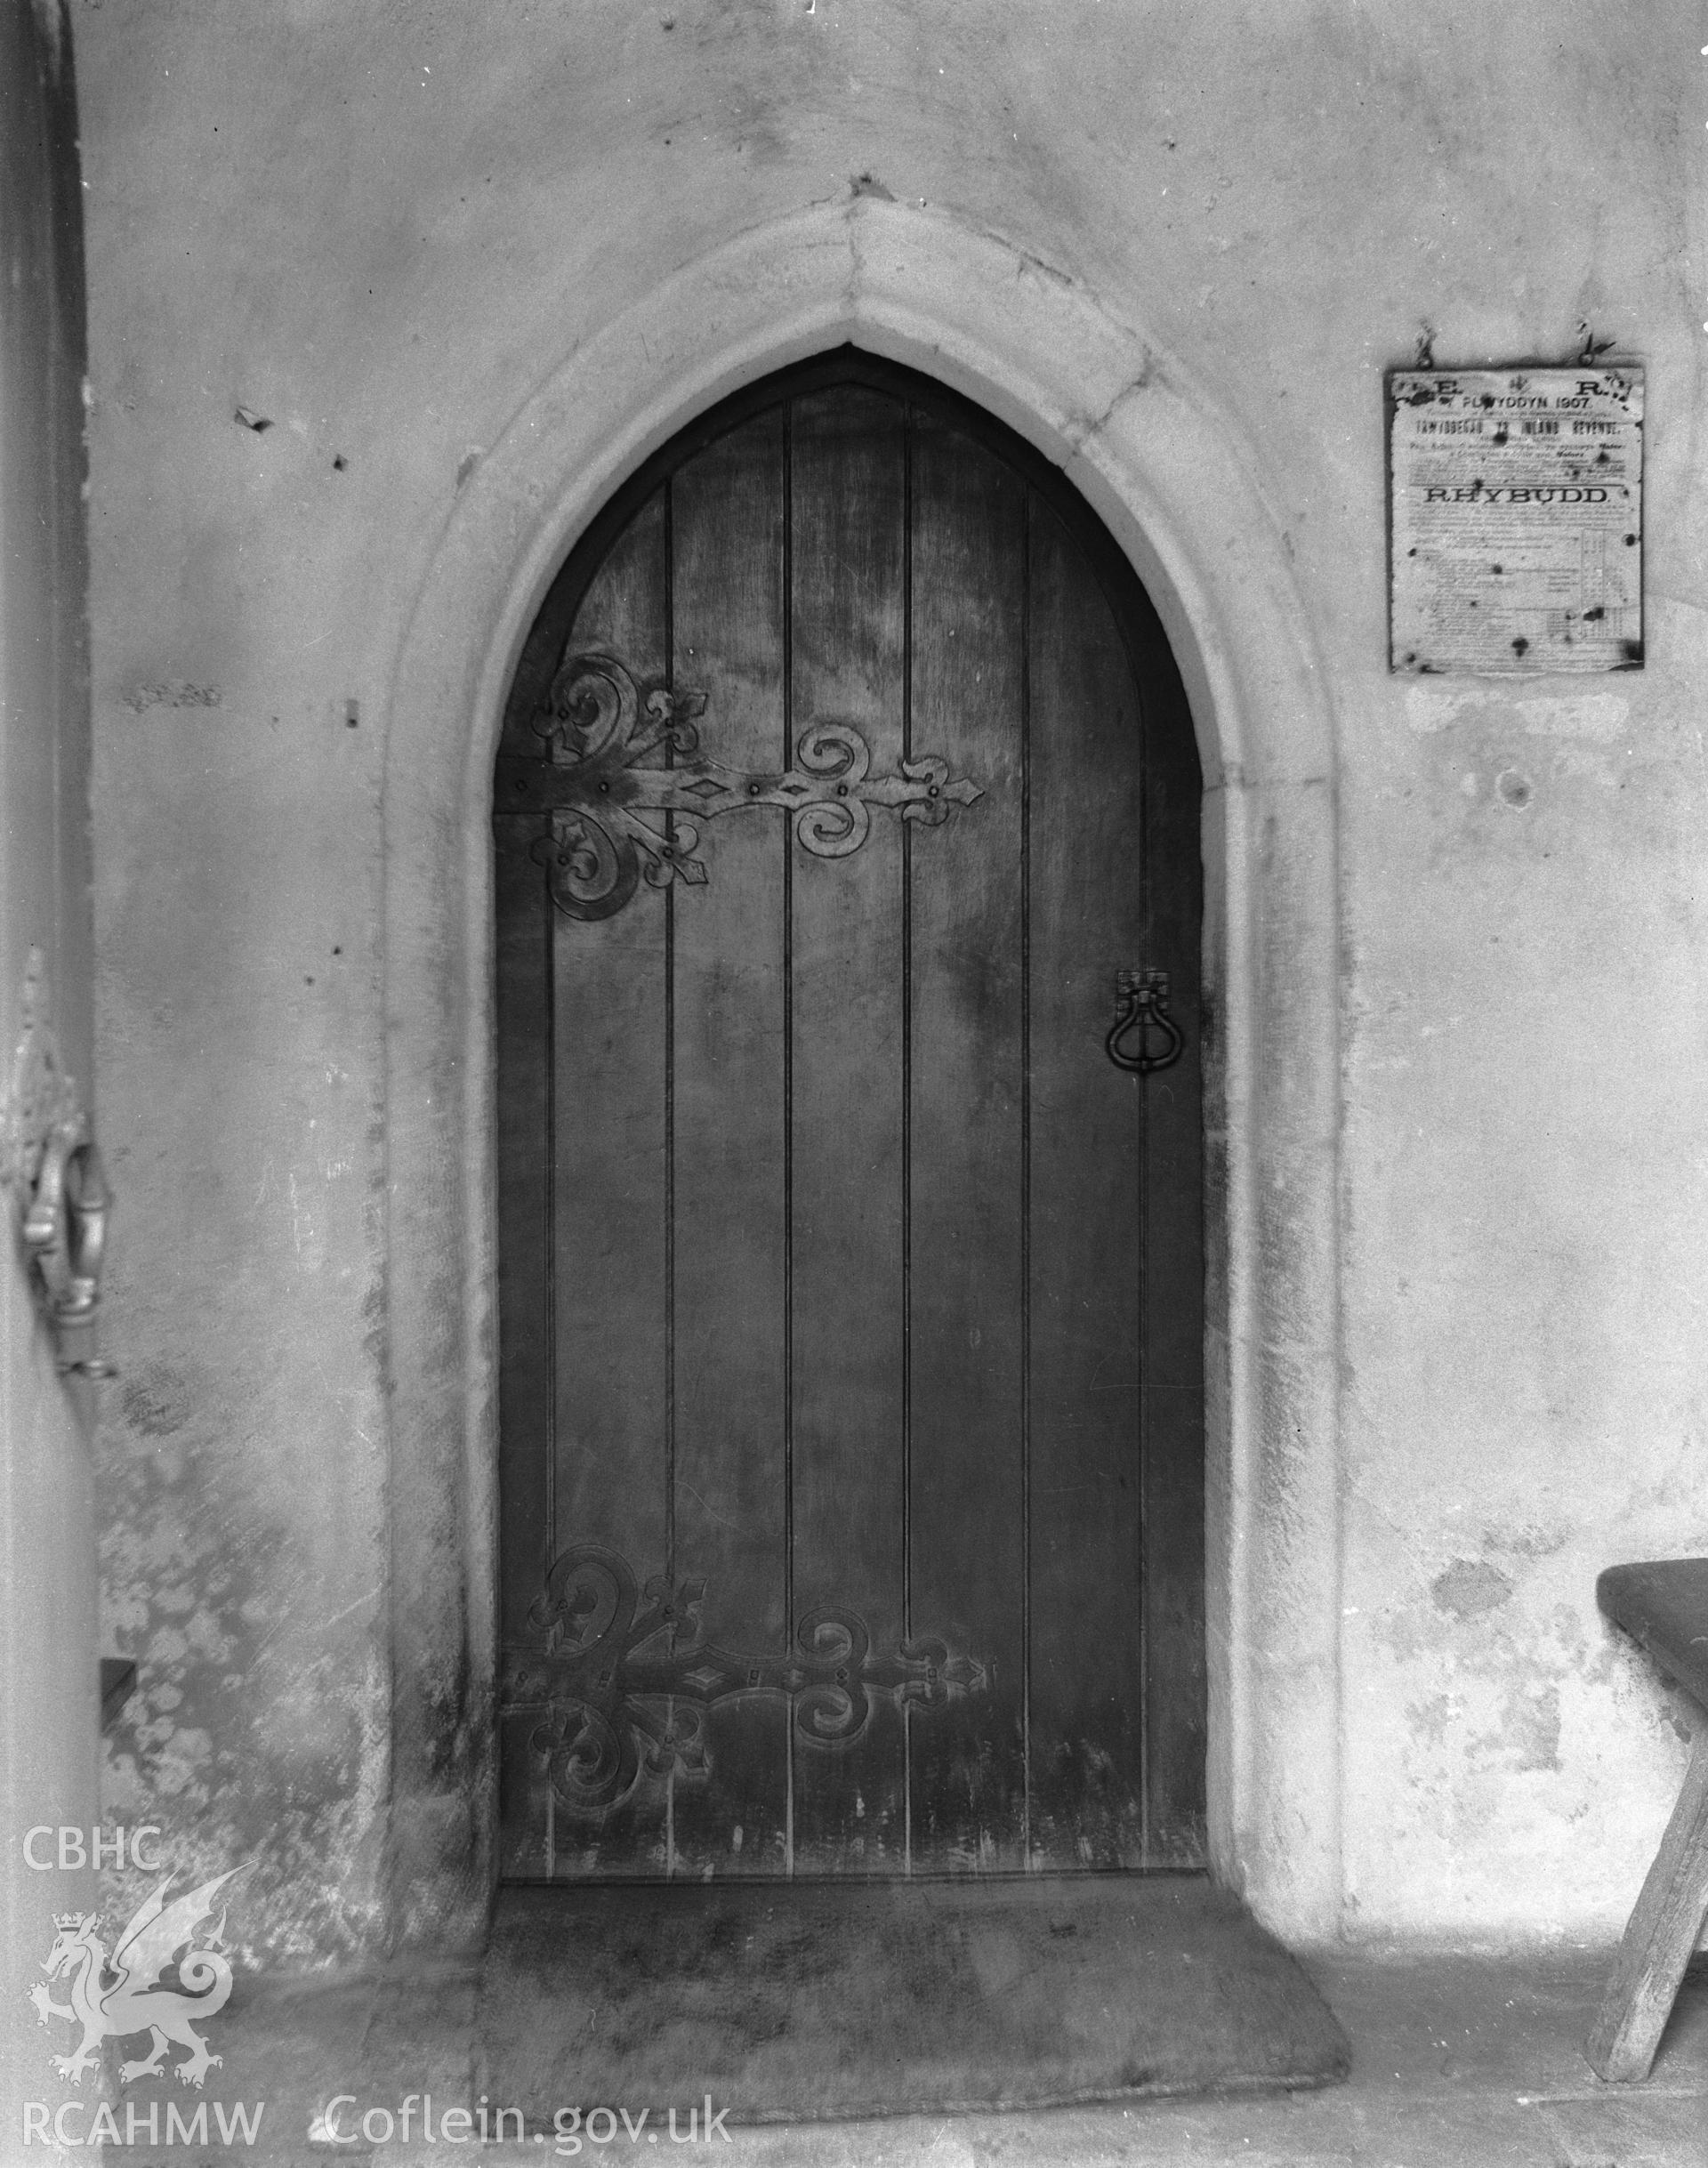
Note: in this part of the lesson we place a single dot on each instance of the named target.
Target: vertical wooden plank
(850, 1800)
(730, 1002)
(523, 1007)
(1086, 922)
(967, 1762)
(609, 1203)
(524, 1054)
(1173, 1364)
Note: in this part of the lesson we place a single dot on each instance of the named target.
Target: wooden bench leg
(1661, 1932)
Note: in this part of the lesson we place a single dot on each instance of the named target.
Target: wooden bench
(1664, 1604)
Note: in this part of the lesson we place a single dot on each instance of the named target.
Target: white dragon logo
(128, 1994)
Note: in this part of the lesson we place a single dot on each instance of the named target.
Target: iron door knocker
(1143, 999)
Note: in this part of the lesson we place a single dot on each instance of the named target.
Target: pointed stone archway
(1176, 487)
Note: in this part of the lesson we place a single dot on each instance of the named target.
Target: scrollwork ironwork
(593, 784)
(621, 1693)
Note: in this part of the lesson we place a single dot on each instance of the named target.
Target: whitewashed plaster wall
(386, 232)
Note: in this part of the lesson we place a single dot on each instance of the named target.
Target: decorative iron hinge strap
(620, 1678)
(599, 726)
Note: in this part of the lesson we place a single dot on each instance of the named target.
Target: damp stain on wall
(1469, 1588)
(251, 1737)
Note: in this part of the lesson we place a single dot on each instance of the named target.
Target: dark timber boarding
(847, 1288)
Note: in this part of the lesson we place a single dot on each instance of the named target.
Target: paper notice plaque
(1515, 507)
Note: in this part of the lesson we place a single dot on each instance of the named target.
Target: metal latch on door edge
(48, 1163)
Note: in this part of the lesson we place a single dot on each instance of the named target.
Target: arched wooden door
(851, 1292)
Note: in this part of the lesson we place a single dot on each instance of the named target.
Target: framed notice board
(1515, 502)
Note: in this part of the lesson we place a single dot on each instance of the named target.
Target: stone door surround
(1072, 370)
